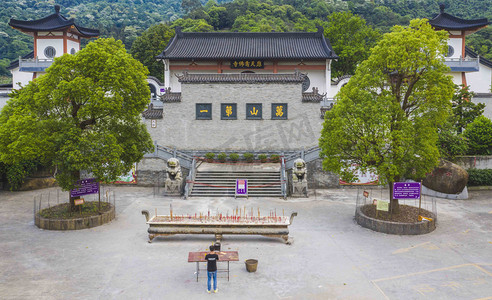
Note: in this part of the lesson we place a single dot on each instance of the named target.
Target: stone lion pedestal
(174, 178)
(299, 179)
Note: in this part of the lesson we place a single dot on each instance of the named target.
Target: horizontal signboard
(406, 190)
(85, 187)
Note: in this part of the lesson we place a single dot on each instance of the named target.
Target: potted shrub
(234, 157)
(222, 157)
(210, 157)
(249, 157)
(275, 158)
(263, 158)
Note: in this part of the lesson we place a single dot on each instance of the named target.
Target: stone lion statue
(173, 170)
(299, 171)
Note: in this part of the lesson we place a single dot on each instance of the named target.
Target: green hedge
(479, 177)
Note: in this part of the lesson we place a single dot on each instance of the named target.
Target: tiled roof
(241, 78)
(171, 97)
(469, 52)
(449, 22)
(52, 22)
(250, 45)
(313, 96)
(152, 113)
(15, 63)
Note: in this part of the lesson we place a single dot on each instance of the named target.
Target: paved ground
(331, 257)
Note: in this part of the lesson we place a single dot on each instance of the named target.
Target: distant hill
(127, 19)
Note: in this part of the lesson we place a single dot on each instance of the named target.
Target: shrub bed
(479, 177)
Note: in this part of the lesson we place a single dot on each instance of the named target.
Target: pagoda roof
(53, 22)
(448, 22)
(250, 45)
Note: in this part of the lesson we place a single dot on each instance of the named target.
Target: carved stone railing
(34, 64)
(466, 64)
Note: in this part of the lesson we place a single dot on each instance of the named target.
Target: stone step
(223, 182)
(232, 195)
(237, 176)
(213, 188)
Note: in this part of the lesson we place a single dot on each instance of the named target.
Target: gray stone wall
(180, 129)
(477, 162)
(152, 172)
(319, 179)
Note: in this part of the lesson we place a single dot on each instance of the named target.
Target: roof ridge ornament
(57, 9)
(442, 6)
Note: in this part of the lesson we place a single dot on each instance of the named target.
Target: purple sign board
(85, 187)
(406, 190)
(241, 187)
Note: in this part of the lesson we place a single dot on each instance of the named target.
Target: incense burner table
(224, 256)
(165, 225)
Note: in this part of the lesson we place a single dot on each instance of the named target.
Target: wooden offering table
(224, 256)
(271, 226)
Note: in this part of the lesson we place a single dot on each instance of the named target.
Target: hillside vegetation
(128, 19)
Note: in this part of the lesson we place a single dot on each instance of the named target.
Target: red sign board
(79, 201)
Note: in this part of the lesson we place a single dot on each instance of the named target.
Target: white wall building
(467, 67)
(54, 36)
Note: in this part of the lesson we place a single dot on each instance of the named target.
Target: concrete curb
(393, 227)
(75, 224)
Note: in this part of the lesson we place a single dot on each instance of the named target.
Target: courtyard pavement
(331, 256)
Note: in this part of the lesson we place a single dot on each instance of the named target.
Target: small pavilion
(54, 36)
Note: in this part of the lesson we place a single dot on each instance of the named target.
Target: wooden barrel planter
(388, 227)
(75, 224)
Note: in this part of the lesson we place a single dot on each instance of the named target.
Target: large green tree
(386, 117)
(151, 43)
(83, 114)
(351, 39)
(464, 110)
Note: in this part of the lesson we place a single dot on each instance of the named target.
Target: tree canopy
(149, 45)
(83, 114)
(386, 117)
(351, 39)
(127, 19)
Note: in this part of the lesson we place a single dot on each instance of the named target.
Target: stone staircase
(219, 180)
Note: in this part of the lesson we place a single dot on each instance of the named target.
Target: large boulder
(447, 178)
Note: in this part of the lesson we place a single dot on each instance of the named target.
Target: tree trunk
(76, 176)
(394, 205)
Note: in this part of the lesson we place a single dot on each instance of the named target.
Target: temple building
(242, 91)
(467, 67)
(54, 36)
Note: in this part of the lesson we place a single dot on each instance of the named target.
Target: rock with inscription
(447, 178)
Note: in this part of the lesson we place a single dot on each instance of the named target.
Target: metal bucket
(251, 265)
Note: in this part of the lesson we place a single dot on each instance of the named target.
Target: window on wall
(450, 51)
(254, 111)
(49, 52)
(228, 111)
(279, 111)
(204, 111)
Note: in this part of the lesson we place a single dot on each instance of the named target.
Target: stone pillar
(167, 73)
(328, 79)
